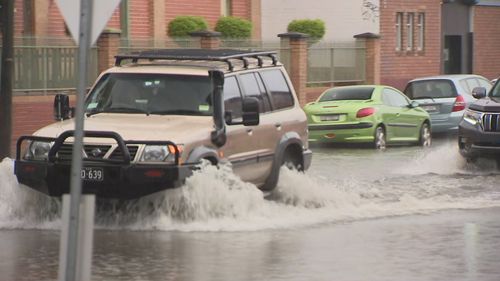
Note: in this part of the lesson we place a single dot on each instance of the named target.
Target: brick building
(431, 37)
(417, 37)
(137, 19)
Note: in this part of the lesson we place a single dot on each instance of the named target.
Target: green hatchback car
(376, 114)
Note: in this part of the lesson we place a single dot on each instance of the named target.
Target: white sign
(101, 12)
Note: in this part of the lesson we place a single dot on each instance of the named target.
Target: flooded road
(358, 214)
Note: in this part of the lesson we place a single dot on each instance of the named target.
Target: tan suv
(153, 117)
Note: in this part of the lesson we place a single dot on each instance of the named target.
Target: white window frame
(421, 31)
(409, 31)
(399, 31)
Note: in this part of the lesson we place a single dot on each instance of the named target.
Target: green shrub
(181, 26)
(314, 28)
(234, 27)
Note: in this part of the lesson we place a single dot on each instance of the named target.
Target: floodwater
(404, 214)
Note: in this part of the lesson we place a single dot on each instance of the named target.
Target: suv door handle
(249, 131)
(278, 126)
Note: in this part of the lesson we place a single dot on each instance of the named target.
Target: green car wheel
(425, 135)
(379, 142)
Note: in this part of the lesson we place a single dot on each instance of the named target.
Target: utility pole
(7, 69)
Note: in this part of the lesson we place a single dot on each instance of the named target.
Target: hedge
(234, 27)
(181, 26)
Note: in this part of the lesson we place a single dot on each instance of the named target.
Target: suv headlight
(38, 150)
(473, 117)
(159, 153)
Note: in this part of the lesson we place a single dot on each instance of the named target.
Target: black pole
(7, 69)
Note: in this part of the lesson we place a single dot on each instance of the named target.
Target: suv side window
(232, 96)
(253, 87)
(278, 88)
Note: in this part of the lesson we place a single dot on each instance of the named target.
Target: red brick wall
(114, 21)
(140, 15)
(241, 8)
(29, 115)
(56, 25)
(208, 9)
(18, 18)
(486, 41)
(399, 67)
(139, 19)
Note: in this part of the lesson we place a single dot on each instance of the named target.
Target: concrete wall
(343, 19)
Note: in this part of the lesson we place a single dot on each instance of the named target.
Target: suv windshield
(151, 94)
(347, 94)
(423, 89)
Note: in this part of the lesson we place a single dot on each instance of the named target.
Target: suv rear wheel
(292, 159)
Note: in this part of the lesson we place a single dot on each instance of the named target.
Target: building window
(226, 7)
(421, 31)
(399, 31)
(409, 32)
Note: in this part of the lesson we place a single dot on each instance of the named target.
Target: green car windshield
(151, 94)
(347, 94)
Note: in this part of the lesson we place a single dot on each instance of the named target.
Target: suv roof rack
(223, 55)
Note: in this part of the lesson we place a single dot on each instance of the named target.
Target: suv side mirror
(479, 92)
(250, 113)
(62, 110)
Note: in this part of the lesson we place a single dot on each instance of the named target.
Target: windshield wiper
(116, 110)
(424, 97)
(177, 111)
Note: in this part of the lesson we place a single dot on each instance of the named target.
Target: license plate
(430, 107)
(92, 174)
(333, 117)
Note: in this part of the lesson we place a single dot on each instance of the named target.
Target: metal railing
(45, 64)
(336, 62)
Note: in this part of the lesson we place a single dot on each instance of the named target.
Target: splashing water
(21, 207)
(214, 199)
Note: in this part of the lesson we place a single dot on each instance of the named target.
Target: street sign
(101, 12)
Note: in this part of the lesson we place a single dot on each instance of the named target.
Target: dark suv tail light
(459, 104)
(363, 112)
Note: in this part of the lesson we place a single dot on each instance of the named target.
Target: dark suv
(479, 130)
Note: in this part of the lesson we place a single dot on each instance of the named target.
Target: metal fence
(336, 62)
(128, 46)
(49, 64)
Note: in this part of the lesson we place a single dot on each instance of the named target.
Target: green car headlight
(473, 117)
(39, 150)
